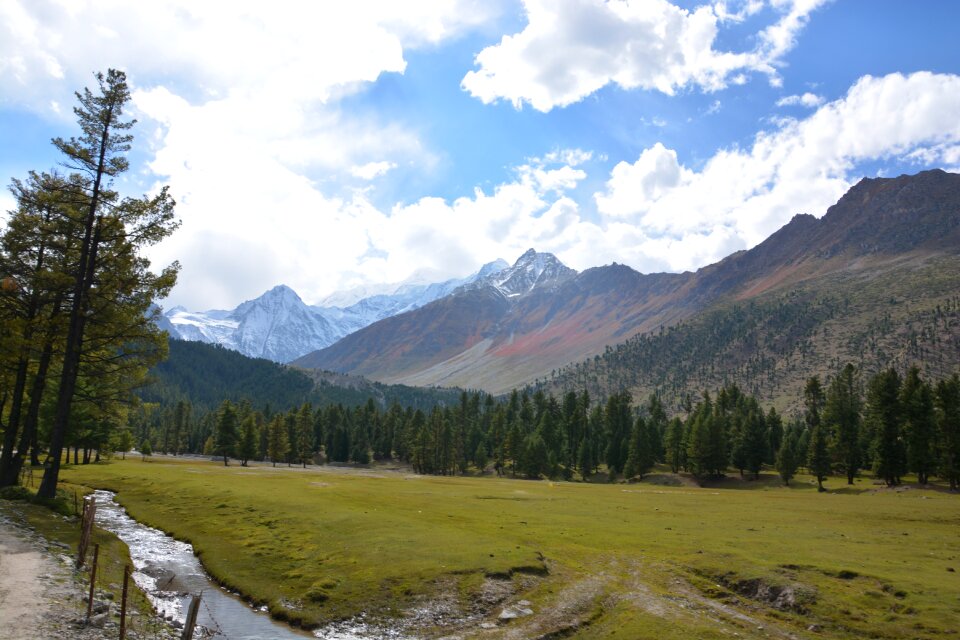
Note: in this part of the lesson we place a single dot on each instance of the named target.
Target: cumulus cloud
(688, 218)
(285, 49)
(573, 48)
(806, 100)
(657, 214)
(240, 113)
(372, 170)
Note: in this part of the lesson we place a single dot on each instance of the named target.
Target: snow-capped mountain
(531, 270)
(279, 326)
(384, 301)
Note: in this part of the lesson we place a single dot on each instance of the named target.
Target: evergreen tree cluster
(894, 427)
(76, 302)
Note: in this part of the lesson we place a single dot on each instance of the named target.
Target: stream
(169, 573)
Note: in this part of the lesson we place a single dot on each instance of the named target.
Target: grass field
(642, 560)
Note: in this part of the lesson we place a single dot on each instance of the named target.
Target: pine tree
(278, 446)
(813, 401)
(533, 458)
(755, 437)
(700, 438)
(146, 449)
(305, 434)
(883, 414)
(640, 451)
(788, 456)
(775, 434)
(618, 426)
(948, 430)
(111, 232)
(657, 426)
(916, 400)
(248, 439)
(675, 446)
(124, 441)
(181, 420)
(818, 460)
(226, 436)
(841, 413)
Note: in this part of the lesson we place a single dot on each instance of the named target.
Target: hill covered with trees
(899, 314)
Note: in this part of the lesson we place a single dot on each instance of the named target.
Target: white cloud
(372, 170)
(239, 107)
(572, 48)
(689, 218)
(807, 100)
(656, 214)
(289, 50)
(570, 157)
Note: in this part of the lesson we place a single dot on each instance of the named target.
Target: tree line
(76, 327)
(891, 426)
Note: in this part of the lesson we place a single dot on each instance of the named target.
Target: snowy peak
(492, 268)
(531, 270)
(279, 326)
(280, 297)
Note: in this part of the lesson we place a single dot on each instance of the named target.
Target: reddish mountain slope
(538, 315)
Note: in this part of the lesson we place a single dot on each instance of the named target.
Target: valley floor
(376, 552)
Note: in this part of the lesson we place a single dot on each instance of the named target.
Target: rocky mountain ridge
(483, 337)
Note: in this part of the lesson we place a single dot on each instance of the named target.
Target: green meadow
(656, 559)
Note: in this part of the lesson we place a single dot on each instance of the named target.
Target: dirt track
(39, 595)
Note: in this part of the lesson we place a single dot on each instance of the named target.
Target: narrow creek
(169, 573)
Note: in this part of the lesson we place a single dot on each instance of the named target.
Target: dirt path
(39, 595)
(22, 600)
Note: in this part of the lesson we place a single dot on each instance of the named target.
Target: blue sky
(334, 147)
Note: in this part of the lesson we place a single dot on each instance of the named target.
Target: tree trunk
(71, 356)
(28, 437)
(9, 473)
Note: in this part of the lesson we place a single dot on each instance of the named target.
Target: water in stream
(170, 574)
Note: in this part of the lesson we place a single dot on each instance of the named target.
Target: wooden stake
(123, 602)
(89, 513)
(191, 618)
(93, 580)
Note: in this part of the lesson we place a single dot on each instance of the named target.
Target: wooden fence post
(93, 579)
(89, 513)
(123, 602)
(191, 621)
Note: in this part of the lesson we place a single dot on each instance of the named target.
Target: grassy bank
(630, 561)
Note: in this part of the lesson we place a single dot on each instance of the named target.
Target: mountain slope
(480, 337)
(206, 375)
(894, 313)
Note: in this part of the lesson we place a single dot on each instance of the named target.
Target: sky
(333, 145)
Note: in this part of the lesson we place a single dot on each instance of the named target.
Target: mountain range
(280, 326)
(854, 285)
(531, 320)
